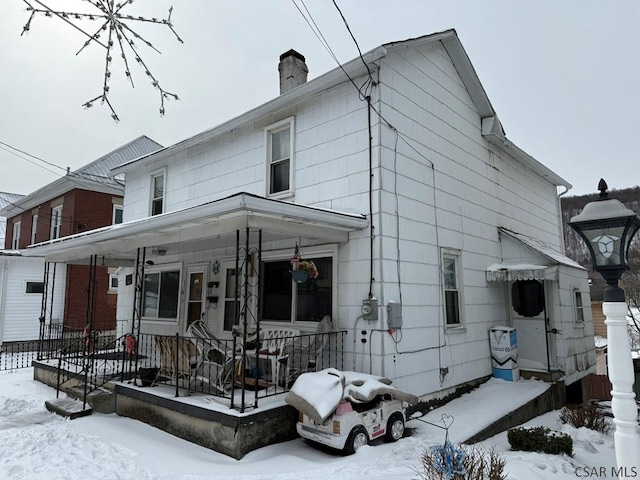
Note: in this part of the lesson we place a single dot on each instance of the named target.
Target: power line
(346, 24)
(363, 90)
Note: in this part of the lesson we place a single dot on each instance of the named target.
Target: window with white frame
(157, 193)
(34, 287)
(577, 295)
(15, 241)
(451, 287)
(113, 283)
(56, 222)
(280, 157)
(286, 301)
(118, 212)
(160, 293)
(34, 228)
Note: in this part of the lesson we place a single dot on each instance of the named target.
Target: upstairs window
(34, 228)
(157, 194)
(56, 222)
(118, 212)
(15, 241)
(279, 158)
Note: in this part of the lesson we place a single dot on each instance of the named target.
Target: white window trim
(457, 256)
(267, 142)
(57, 208)
(577, 321)
(24, 286)
(15, 239)
(157, 269)
(309, 252)
(115, 208)
(34, 228)
(154, 175)
(111, 288)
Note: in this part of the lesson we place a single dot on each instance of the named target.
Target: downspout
(381, 301)
(561, 225)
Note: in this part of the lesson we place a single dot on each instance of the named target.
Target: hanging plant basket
(299, 276)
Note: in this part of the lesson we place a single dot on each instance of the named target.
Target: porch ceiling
(201, 227)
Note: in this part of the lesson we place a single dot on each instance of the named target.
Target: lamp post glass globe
(607, 227)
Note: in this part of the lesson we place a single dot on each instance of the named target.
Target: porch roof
(195, 228)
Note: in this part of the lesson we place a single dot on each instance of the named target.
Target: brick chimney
(293, 71)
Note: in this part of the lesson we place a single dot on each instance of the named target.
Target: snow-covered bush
(540, 439)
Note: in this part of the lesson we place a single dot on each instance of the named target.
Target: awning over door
(500, 272)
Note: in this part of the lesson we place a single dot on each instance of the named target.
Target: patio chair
(179, 359)
(218, 359)
(299, 358)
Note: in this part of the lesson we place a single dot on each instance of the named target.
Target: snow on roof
(542, 248)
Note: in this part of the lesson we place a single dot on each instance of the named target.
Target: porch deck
(233, 421)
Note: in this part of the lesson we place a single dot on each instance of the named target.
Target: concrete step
(101, 400)
(68, 407)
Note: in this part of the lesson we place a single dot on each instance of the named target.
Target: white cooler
(504, 353)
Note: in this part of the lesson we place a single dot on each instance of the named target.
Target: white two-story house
(427, 225)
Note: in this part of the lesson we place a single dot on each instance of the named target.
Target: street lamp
(608, 227)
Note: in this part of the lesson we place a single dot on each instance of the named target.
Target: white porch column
(620, 365)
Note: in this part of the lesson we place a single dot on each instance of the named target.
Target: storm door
(529, 314)
(195, 294)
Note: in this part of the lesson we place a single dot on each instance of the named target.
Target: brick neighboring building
(83, 200)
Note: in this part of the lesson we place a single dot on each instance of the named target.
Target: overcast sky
(562, 75)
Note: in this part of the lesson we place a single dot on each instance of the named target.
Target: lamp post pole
(608, 227)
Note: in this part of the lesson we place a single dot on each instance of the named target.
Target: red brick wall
(82, 210)
(75, 308)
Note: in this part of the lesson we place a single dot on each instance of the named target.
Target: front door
(529, 315)
(196, 294)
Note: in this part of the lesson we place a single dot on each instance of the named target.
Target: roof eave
(334, 77)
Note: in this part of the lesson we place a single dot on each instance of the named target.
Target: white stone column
(620, 366)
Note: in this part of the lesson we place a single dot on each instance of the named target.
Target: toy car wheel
(395, 427)
(357, 438)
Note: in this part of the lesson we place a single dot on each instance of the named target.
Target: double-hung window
(280, 157)
(451, 287)
(117, 214)
(161, 293)
(157, 193)
(56, 222)
(34, 228)
(15, 241)
(286, 301)
(577, 295)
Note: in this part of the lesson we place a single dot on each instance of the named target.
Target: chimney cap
(292, 53)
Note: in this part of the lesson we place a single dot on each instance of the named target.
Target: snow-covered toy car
(346, 410)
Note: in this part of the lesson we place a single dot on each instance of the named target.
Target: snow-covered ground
(38, 445)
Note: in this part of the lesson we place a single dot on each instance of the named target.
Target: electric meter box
(394, 315)
(504, 353)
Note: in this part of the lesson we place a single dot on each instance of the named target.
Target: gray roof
(100, 170)
(95, 176)
(6, 198)
(542, 248)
